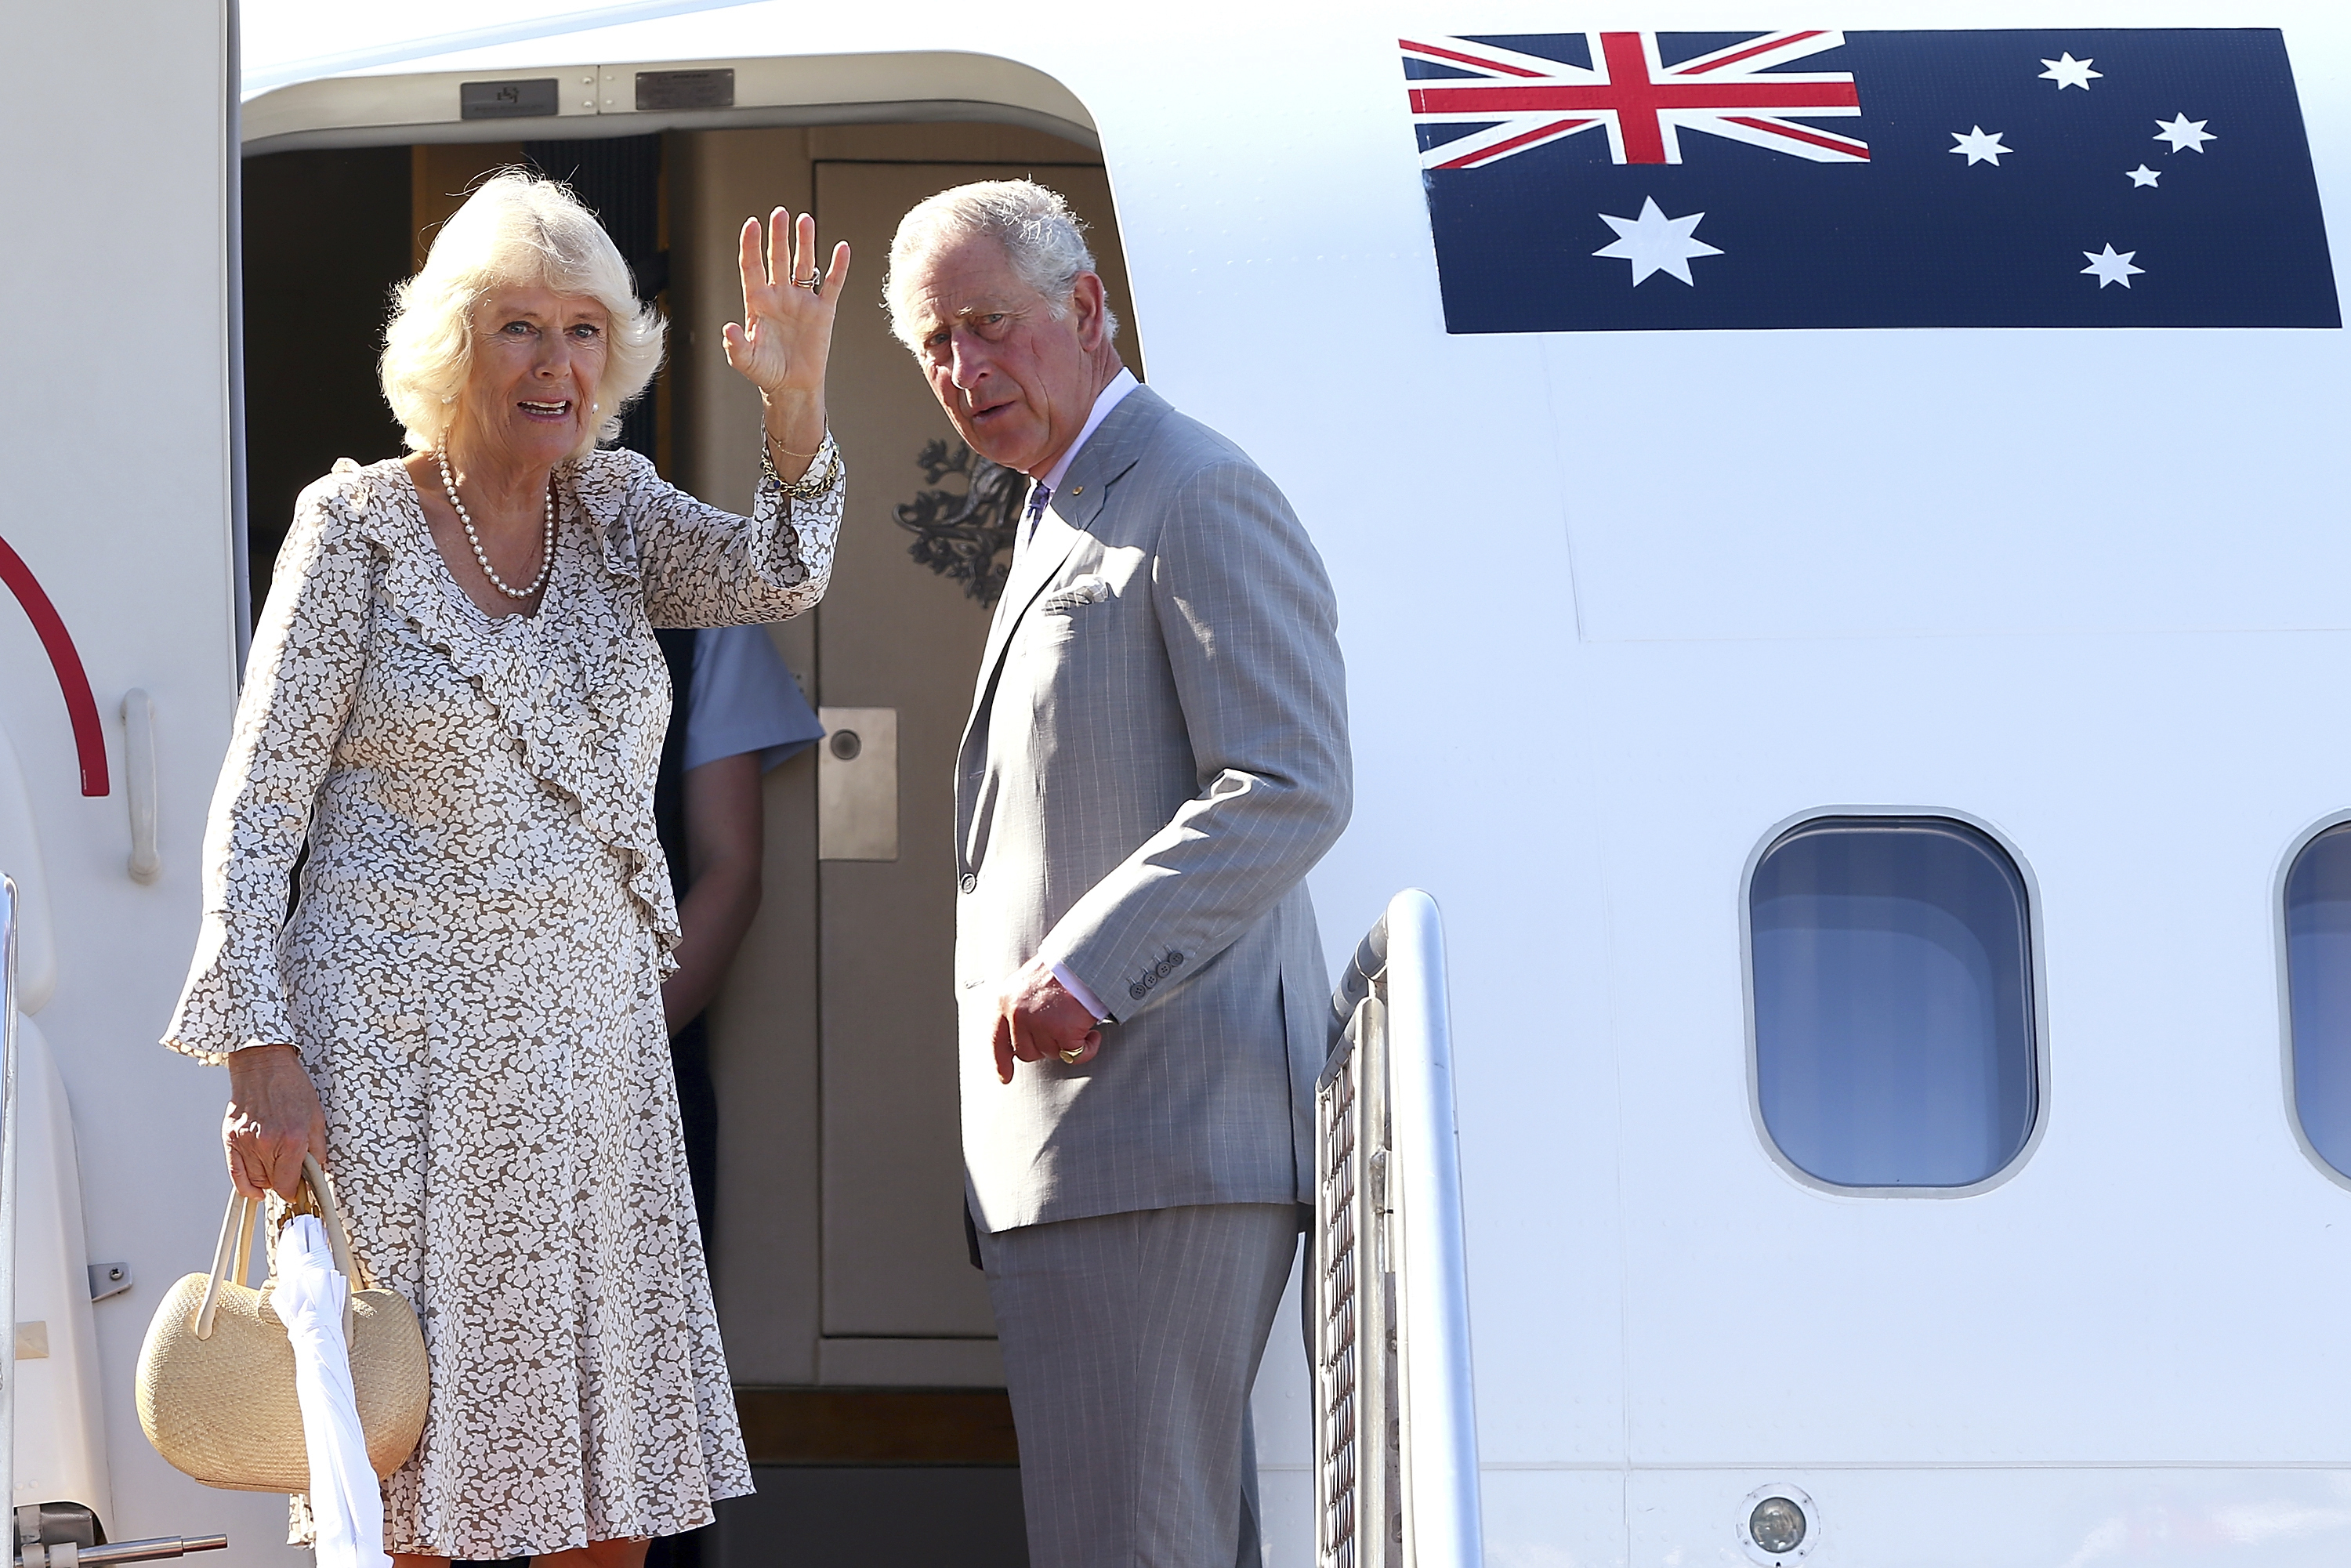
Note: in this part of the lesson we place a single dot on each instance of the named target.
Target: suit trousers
(1131, 1343)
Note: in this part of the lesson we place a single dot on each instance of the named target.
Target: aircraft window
(2318, 988)
(1896, 1044)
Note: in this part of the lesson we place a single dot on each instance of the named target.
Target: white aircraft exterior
(1620, 608)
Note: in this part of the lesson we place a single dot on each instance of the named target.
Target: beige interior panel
(717, 179)
(763, 1031)
(763, 1058)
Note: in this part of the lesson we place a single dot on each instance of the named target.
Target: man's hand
(274, 1119)
(1036, 1018)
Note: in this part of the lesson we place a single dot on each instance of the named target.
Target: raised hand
(781, 344)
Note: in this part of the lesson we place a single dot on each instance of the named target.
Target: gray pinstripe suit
(1157, 755)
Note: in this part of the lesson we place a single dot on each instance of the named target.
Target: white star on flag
(2066, 71)
(2142, 175)
(2184, 133)
(1656, 243)
(1981, 146)
(2112, 268)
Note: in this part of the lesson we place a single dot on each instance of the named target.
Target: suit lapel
(1085, 489)
(1040, 558)
(1113, 449)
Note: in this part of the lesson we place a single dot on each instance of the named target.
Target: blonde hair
(517, 230)
(1045, 241)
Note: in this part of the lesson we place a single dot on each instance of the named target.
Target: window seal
(2037, 980)
(2291, 1098)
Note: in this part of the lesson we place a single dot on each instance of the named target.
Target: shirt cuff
(1078, 990)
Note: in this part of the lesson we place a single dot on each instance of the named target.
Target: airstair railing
(1395, 1433)
(29, 1525)
(8, 915)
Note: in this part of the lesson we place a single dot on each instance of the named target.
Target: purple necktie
(1038, 495)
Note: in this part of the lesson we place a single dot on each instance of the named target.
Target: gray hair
(1044, 239)
(517, 229)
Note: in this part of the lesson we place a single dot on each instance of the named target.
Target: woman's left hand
(786, 333)
(274, 1119)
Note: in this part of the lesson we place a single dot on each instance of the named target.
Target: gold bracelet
(808, 485)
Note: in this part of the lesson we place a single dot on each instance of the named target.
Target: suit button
(970, 883)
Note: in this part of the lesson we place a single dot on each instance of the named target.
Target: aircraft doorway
(899, 637)
(859, 1335)
(866, 1202)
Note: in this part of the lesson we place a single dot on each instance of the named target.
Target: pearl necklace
(547, 542)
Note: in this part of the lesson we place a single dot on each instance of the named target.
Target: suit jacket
(1157, 755)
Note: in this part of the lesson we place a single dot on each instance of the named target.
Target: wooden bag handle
(235, 1247)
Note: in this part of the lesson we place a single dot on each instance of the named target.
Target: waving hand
(786, 335)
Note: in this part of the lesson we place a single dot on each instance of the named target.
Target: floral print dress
(473, 976)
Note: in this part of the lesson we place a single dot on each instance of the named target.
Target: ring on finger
(1072, 1055)
(813, 282)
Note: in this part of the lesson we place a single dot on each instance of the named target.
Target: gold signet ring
(1073, 1056)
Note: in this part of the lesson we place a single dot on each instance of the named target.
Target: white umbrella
(346, 1502)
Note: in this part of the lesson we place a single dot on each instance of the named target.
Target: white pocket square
(1076, 591)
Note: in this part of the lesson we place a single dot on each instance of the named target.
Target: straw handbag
(216, 1373)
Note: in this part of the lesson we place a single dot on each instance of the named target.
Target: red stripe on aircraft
(90, 738)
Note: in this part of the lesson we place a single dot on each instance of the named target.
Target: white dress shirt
(1109, 398)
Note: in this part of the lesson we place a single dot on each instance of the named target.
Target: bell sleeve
(300, 678)
(700, 565)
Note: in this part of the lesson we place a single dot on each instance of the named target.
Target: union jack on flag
(1522, 101)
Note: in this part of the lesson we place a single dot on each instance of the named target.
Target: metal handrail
(9, 905)
(1395, 1432)
(28, 1551)
(68, 1554)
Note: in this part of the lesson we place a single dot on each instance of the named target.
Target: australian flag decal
(2101, 177)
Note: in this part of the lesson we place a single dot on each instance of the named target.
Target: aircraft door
(861, 1338)
(894, 635)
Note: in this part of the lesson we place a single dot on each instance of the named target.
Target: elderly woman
(455, 699)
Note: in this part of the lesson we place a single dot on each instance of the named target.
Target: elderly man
(1157, 755)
